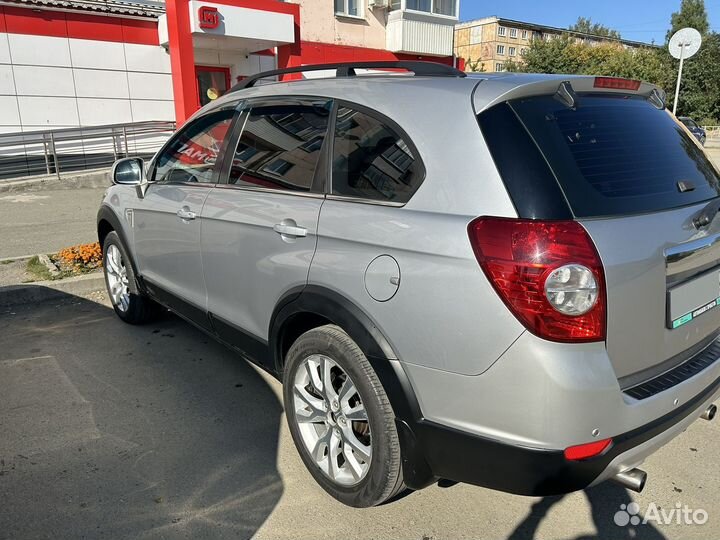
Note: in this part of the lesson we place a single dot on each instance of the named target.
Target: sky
(638, 20)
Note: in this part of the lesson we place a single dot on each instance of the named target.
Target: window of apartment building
(502, 30)
(523, 51)
(499, 66)
(524, 34)
(501, 49)
(511, 51)
(439, 7)
(513, 32)
(350, 8)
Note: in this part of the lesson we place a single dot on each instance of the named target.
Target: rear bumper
(432, 450)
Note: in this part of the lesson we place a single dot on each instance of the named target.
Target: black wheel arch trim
(105, 213)
(334, 307)
(339, 310)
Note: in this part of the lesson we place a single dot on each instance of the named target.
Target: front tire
(129, 303)
(340, 418)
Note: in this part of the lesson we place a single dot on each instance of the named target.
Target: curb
(86, 179)
(39, 291)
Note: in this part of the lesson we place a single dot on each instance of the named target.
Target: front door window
(212, 82)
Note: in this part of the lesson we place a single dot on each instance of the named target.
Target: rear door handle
(186, 214)
(287, 229)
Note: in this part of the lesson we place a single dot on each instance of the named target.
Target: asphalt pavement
(46, 221)
(114, 431)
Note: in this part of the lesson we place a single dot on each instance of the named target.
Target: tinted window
(371, 160)
(192, 154)
(618, 154)
(280, 145)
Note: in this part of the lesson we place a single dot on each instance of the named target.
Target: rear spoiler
(565, 87)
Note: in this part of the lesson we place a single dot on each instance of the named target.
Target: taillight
(547, 272)
(616, 83)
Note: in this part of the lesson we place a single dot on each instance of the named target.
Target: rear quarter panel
(445, 314)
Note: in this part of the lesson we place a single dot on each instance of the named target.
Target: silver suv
(508, 280)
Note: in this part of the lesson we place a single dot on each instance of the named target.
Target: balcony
(422, 26)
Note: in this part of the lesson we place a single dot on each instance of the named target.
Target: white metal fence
(712, 132)
(62, 151)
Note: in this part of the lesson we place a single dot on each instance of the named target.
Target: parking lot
(114, 431)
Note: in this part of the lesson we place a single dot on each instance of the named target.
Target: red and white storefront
(69, 66)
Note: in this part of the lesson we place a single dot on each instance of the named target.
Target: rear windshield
(618, 154)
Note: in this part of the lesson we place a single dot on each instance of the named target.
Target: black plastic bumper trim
(432, 450)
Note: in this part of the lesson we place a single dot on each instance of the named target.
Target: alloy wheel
(332, 420)
(117, 278)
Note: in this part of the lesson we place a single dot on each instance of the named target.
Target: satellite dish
(685, 43)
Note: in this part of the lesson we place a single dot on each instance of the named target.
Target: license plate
(693, 298)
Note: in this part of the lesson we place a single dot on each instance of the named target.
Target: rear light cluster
(547, 272)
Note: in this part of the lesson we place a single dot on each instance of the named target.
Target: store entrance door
(212, 82)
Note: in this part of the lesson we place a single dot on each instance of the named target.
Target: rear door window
(280, 144)
(618, 154)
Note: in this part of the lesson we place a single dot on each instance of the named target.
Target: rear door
(260, 222)
(636, 180)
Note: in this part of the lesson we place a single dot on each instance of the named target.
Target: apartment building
(487, 44)
(92, 62)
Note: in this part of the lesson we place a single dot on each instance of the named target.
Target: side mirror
(128, 172)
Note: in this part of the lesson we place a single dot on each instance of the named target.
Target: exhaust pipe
(633, 479)
(709, 413)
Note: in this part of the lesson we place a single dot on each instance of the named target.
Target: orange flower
(87, 255)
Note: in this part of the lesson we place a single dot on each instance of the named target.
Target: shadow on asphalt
(605, 500)
(120, 431)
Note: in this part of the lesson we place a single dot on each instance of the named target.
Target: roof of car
(382, 83)
(397, 94)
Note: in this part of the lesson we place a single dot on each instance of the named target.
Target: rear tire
(129, 303)
(344, 431)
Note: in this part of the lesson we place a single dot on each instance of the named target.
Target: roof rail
(426, 69)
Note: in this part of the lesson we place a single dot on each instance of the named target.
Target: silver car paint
(249, 266)
(445, 314)
(471, 364)
(545, 395)
(167, 247)
(632, 250)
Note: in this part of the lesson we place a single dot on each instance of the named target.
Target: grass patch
(37, 269)
(7, 261)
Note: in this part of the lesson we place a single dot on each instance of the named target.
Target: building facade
(487, 44)
(95, 62)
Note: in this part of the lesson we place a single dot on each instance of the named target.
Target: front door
(167, 220)
(212, 82)
(260, 221)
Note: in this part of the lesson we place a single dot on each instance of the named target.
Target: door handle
(286, 229)
(186, 214)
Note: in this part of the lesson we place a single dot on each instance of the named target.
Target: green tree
(692, 14)
(700, 89)
(475, 66)
(565, 54)
(586, 26)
